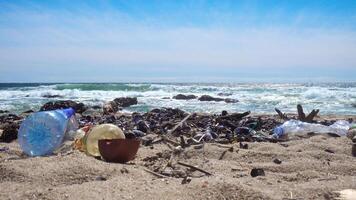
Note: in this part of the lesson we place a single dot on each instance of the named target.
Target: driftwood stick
(154, 173)
(301, 114)
(311, 116)
(280, 114)
(196, 168)
(183, 143)
(222, 155)
(178, 125)
(235, 116)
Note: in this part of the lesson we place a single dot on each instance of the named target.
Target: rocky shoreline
(223, 128)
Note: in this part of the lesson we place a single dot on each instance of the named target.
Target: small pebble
(124, 171)
(186, 180)
(243, 146)
(257, 172)
(100, 178)
(277, 161)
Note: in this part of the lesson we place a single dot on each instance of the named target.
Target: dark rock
(209, 98)
(52, 96)
(9, 118)
(28, 111)
(53, 105)
(184, 97)
(4, 111)
(118, 103)
(100, 178)
(138, 133)
(142, 126)
(353, 150)
(353, 105)
(166, 97)
(224, 94)
(243, 146)
(186, 180)
(126, 101)
(96, 107)
(277, 161)
(124, 170)
(224, 113)
(257, 172)
(9, 132)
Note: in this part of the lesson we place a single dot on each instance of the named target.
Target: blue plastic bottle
(43, 132)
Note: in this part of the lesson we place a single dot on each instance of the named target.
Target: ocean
(259, 98)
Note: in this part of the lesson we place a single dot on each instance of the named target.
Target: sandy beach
(310, 168)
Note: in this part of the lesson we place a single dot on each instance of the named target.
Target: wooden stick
(196, 168)
(280, 114)
(154, 173)
(222, 155)
(311, 116)
(235, 116)
(178, 125)
(301, 114)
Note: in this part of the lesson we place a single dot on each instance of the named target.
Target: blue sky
(179, 41)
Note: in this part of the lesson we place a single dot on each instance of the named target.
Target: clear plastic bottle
(41, 133)
(297, 127)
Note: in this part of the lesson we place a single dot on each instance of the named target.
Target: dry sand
(307, 171)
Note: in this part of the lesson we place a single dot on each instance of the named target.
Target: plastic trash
(41, 133)
(100, 132)
(297, 127)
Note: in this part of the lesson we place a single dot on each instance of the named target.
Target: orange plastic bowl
(118, 150)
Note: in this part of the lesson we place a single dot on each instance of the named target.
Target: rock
(124, 170)
(116, 104)
(110, 107)
(100, 178)
(353, 150)
(28, 111)
(166, 97)
(224, 94)
(277, 161)
(96, 107)
(351, 133)
(53, 105)
(224, 113)
(9, 118)
(9, 132)
(126, 101)
(52, 96)
(257, 172)
(4, 111)
(186, 180)
(243, 146)
(184, 97)
(142, 126)
(209, 98)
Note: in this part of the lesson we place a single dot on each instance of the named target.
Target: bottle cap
(68, 112)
